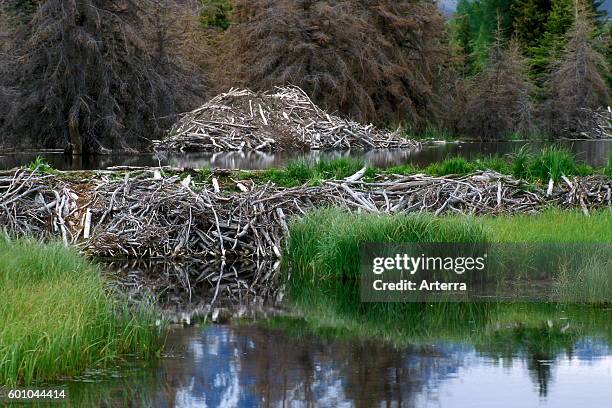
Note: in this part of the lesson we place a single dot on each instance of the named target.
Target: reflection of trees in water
(539, 346)
(279, 369)
(595, 153)
(254, 366)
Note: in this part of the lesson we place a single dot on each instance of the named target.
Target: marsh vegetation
(60, 318)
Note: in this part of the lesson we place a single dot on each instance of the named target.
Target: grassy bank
(59, 318)
(323, 259)
(552, 162)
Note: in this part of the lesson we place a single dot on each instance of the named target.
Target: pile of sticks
(150, 216)
(285, 119)
(596, 124)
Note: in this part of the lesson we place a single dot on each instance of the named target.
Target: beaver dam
(223, 219)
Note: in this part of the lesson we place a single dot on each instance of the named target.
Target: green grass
(326, 242)
(553, 225)
(461, 166)
(436, 133)
(322, 257)
(41, 165)
(608, 169)
(58, 318)
(552, 162)
(302, 172)
(536, 168)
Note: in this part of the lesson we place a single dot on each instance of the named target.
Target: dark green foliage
(529, 20)
(216, 13)
(476, 24)
(551, 43)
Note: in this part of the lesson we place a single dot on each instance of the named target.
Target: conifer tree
(529, 20)
(577, 81)
(498, 99)
(552, 41)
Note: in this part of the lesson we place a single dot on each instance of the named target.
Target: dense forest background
(97, 75)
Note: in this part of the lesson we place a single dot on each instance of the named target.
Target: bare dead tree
(374, 60)
(576, 85)
(95, 74)
(498, 99)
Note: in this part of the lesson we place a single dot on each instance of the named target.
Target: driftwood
(281, 120)
(147, 215)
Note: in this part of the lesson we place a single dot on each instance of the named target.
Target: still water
(595, 153)
(255, 366)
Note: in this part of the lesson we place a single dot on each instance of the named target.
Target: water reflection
(252, 366)
(593, 152)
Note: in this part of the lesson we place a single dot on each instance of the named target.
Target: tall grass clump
(322, 271)
(322, 256)
(552, 162)
(453, 165)
(58, 317)
(41, 165)
(325, 244)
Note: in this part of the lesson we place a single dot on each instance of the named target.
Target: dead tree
(95, 74)
(498, 98)
(372, 60)
(576, 85)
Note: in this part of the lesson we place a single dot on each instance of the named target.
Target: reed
(60, 319)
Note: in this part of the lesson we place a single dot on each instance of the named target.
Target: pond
(593, 152)
(256, 365)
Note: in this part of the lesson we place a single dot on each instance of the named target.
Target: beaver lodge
(171, 213)
(285, 119)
